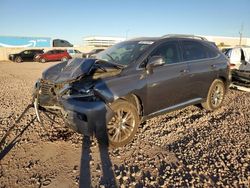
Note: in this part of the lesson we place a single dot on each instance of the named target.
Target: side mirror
(154, 61)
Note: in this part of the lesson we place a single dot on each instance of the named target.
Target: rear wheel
(64, 59)
(123, 125)
(43, 60)
(18, 59)
(215, 95)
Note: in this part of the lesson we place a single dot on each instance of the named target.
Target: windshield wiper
(113, 64)
(111, 58)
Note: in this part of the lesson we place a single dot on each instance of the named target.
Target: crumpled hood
(67, 71)
(72, 69)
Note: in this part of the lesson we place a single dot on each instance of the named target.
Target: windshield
(124, 53)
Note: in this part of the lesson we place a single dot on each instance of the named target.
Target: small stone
(118, 177)
(125, 178)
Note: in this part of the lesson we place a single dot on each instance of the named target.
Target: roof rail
(185, 36)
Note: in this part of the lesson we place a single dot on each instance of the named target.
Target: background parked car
(92, 52)
(75, 53)
(53, 55)
(239, 57)
(240, 64)
(26, 55)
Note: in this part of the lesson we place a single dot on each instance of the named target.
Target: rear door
(50, 55)
(166, 86)
(58, 54)
(203, 67)
(27, 55)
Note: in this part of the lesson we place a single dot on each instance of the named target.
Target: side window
(169, 51)
(26, 52)
(193, 50)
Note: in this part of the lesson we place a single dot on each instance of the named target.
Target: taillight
(232, 66)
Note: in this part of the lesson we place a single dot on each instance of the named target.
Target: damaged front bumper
(85, 117)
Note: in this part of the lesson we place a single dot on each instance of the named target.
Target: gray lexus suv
(108, 95)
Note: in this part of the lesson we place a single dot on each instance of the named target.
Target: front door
(27, 55)
(166, 86)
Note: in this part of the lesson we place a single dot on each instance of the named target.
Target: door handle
(184, 71)
(213, 66)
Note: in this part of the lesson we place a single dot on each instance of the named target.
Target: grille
(46, 88)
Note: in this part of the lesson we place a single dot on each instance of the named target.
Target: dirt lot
(189, 147)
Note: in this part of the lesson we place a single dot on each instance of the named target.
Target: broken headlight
(81, 94)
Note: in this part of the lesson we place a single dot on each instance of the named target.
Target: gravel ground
(188, 147)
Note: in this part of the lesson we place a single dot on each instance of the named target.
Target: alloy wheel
(121, 125)
(217, 95)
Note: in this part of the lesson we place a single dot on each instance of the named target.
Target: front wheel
(215, 95)
(18, 59)
(123, 125)
(43, 60)
(64, 59)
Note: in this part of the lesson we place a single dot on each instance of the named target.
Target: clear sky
(74, 19)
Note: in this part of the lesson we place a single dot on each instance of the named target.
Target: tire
(215, 95)
(18, 59)
(117, 136)
(64, 59)
(43, 60)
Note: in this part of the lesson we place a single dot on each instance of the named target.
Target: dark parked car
(53, 55)
(133, 81)
(92, 52)
(26, 55)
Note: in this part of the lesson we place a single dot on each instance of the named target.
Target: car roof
(170, 36)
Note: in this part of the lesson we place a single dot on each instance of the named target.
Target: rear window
(193, 50)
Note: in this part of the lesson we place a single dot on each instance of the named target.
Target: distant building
(101, 41)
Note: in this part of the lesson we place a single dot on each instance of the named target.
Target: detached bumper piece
(241, 78)
(86, 117)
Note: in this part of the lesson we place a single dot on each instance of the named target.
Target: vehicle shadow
(99, 130)
(85, 176)
(107, 178)
(8, 148)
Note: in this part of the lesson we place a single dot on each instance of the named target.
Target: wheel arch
(225, 81)
(136, 101)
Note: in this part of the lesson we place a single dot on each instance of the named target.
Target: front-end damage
(69, 88)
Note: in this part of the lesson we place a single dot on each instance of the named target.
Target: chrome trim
(36, 105)
(175, 106)
(52, 107)
(182, 62)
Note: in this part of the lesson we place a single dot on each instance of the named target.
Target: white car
(74, 53)
(239, 58)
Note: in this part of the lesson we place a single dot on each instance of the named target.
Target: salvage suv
(131, 82)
